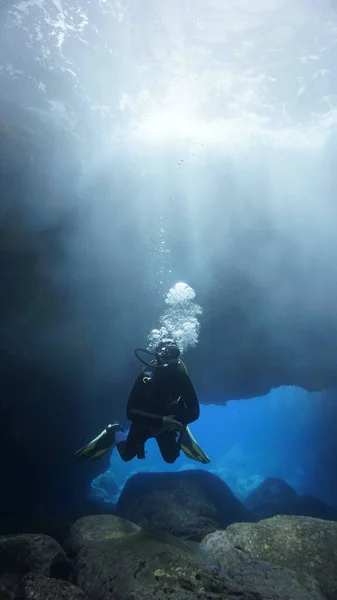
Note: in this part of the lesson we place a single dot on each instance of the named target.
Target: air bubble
(180, 320)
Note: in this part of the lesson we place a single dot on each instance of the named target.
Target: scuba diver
(161, 404)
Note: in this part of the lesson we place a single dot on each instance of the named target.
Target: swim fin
(190, 447)
(100, 444)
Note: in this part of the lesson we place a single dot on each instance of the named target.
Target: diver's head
(167, 353)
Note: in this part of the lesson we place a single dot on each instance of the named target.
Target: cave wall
(46, 410)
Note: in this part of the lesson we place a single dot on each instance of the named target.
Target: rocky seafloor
(182, 537)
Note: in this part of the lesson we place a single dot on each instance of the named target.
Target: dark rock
(9, 586)
(20, 554)
(265, 579)
(188, 504)
(309, 506)
(260, 581)
(135, 566)
(303, 544)
(142, 565)
(38, 587)
(273, 496)
(273, 581)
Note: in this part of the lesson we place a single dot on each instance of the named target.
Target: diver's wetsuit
(155, 394)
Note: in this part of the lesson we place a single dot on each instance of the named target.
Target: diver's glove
(171, 424)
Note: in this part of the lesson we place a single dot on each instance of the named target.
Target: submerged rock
(272, 496)
(276, 497)
(38, 587)
(97, 528)
(267, 579)
(303, 544)
(309, 506)
(142, 564)
(136, 566)
(9, 586)
(187, 504)
(39, 555)
(261, 577)
(20, 554)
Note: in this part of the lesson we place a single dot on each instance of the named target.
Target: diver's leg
(101, 443)
(168, 446)
(131, 446)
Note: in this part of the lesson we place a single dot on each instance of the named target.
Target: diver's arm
(135, 397)
(142, 413)
(189, 402)
(166, 423)
(135, 400)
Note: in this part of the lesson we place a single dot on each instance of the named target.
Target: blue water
(247, 441)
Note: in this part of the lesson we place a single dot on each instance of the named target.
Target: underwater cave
(167, 169)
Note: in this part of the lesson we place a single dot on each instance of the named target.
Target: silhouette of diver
(161, 404)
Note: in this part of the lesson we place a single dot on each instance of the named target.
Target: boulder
(307, 546)
(264, 578)
(9, 586)
(39, 553)
(142, 565)
(38, 587)
(271, 497)
(97, 528)
(135, 566)
(260, 581)
(187, 504)
(309, 506)
(276, 497)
